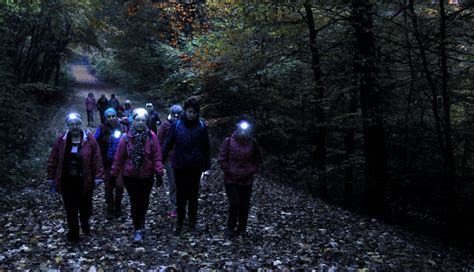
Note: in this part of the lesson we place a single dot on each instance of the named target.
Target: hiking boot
(110, 214)
(178, 230)
(228, 233)
(86, 229)
(137, 238)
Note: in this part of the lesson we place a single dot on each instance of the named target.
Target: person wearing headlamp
(175, 113)
(239, 158)
(108, 136)
(138, 158)
(74, 169)
(189, 137)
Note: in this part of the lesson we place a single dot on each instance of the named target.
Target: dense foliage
(389, 124)
(36, 38)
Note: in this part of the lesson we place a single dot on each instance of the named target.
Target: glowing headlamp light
(117, 134)
(244, 125)
(72, 116)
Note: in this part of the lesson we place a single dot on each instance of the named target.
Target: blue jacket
(192, 150)
(108, 141)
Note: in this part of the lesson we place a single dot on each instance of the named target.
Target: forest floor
(288, 229)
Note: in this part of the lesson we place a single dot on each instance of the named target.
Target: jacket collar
(84, 135)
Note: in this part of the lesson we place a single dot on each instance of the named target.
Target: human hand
(98, 182)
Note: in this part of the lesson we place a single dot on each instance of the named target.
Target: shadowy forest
(367, 105)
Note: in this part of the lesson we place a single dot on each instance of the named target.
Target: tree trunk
(449, 163)
(370, 98)
(319, 156)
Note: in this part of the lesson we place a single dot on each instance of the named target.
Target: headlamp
(244, 125)
(117, 134)
(72, 116)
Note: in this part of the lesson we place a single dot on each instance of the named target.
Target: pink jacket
(151, 161)
(239, 159)
(91, 158)
(162, 132)
(90, 103)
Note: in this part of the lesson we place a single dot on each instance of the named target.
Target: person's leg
(134, 194)
(171, 185)
(71, 199)
(109, 193)
(234, 203)
(146, 185)
(86, 211)
(180, 199)
(193, 184)
(118, 195)
(245, 194)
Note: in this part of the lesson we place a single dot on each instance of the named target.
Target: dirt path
(287, 229)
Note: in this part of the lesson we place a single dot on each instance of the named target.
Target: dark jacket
(102, 104)
(191, 142)
(239, 159)
(108, 142)
(90, 155)
(162, 132)
(152, 120)
(151, 161)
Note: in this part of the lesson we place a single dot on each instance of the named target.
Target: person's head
(139, 117)
(175, 112)
(111, 117)
(191, 108)
(74, 123)
(149, 107)
(103, 96)
(112, 96)
(90, 95)
(244, 128)
(128, 104)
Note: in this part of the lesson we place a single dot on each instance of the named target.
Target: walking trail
(287, 228)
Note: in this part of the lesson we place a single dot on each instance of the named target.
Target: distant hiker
(127, 110)
(74, 169)
(102, 105)
(108, 136)
(138, 157)
(191, 157)
(90, 107)
(153, 121)
(175, 113)
(239, 158)
(114, 102)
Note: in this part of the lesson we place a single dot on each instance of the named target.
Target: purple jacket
(90, 103)
(162, 131)
(91, 158)
(239, 159)
(151, 161)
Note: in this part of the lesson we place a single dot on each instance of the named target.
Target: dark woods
(366, 104)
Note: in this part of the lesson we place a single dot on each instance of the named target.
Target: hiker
(239, 158)
(90, 107)
(138, 158)
(108, 136)
(175, 113)
(74, 169)
(190, 139)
